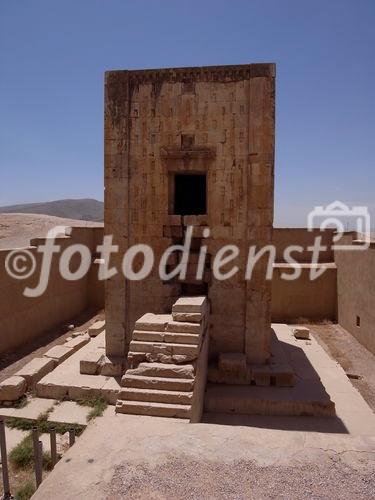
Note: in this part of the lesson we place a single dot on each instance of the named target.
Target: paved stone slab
(67, 381)
(13, 438)
(69, 412)
(12, 388)
(36, 369)
(34, 408)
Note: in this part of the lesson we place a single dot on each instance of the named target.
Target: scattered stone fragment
(301, 332)
(96, 328)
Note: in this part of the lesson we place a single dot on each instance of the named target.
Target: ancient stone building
(191, 146)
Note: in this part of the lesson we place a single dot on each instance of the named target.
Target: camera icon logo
(339, 216)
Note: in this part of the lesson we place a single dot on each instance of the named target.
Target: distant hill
(82, 209)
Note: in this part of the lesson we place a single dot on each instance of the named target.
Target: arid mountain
(82, 209)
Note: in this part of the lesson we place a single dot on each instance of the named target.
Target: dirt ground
(16, 230)
(356, 360)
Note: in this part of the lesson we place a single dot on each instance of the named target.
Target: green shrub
(22, 456)
(25, 492)
(97, 404)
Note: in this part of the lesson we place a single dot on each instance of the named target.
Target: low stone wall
(303, 299)
(23, 318)
(313, 300)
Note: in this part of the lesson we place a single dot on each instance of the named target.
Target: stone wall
(215, 121)
(24, 319)
(356, 293)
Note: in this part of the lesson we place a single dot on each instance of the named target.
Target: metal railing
(38, 456)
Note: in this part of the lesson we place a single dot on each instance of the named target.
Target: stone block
(187, 317)
(96, 328)
(35, 370)
(148, 336)
(112, 367)
(154, 409)
(59, 353)
(12, 388)
(261, 375)
(163, 370)
(301, 332)
(89, 365)
(153, 322)
(166, 384)
(182, 338)
(234, 362)
(77, 342)
(190, 305)
(164, 348)
(156, 396)
(184, 327)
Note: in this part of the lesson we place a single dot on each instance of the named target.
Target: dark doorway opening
(190, 194)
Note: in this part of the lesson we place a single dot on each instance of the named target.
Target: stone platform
(321, 387)
(66, 381)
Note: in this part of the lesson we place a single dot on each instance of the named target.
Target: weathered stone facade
(214, 122)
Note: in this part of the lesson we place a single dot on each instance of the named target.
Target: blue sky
(53, 55)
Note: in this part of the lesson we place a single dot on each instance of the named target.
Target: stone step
(169, 337)
(166, 384)
(184, 327)
(153, 322)
(153, 409)
(164, 348)
(155, 396)
(164, 370)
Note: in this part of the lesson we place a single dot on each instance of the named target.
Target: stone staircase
(168, 363)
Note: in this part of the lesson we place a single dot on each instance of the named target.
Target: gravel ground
(242, 480)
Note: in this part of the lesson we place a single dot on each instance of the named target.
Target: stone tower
(191, 147)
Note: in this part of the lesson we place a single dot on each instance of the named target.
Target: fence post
(72, 436)
(38, 456)
(4, 461)
(53, 447)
